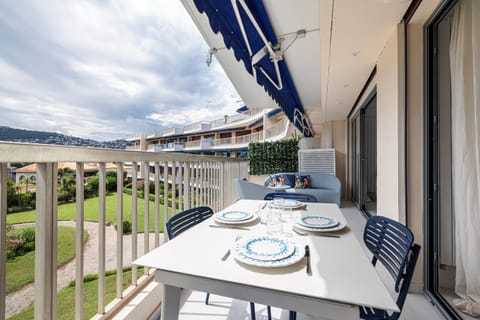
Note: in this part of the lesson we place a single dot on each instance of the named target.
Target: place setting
(267, 251)
(235, 219)
(318, 224)
(282, 203)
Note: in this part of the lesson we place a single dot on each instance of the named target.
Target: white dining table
(342, 279)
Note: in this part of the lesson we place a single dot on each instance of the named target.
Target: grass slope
(66, 298)
(21, 270)
(67, 212)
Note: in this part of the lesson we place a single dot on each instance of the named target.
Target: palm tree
(18, 188)
(27, 181)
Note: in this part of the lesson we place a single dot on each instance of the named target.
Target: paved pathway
(19, 300)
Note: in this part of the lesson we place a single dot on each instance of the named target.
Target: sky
(102, 69)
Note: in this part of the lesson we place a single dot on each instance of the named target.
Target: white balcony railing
(173, 146)
(172, 131)
(229, 119)
(197, 126)
(198, 180)
(154, 148)
(202, 144)
(192, 144)
(224, 141)
(280, 128)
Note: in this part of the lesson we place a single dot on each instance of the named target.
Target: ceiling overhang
(329, 63)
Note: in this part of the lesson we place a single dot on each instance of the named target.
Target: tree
(18, 188)
(27, 181)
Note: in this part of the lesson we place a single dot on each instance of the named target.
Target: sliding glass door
(364, 156)
(452, 243)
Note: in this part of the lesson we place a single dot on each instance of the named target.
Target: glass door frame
(358, 190)
(432, 165)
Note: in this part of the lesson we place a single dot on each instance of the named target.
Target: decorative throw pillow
(288, 179)
(302, 182)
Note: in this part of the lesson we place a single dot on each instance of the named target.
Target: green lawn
(67, 212)
(21, 270)
(66, 298)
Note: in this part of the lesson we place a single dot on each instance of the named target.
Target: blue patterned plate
(265, 248)
(318, 222)
(287, 203)
(338, 227)
(298, 254)
(234, 216)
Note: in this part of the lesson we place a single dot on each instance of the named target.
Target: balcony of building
(197, 126)
(172, 131)
(172, 147)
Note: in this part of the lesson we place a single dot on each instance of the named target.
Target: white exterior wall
(390, 128)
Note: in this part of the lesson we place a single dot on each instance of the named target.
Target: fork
(307, 255)
(227, 254)
(328, 235)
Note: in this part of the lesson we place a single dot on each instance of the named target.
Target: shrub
(20, 241)
(27, 234)
(126, 227)
(273, 157)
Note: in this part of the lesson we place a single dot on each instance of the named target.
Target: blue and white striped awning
(246, 29)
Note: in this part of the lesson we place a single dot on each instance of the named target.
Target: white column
(101, 236)
(3, 236)
(46, 242)
(80, 212)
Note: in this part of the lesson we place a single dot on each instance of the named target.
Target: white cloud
(106, 69)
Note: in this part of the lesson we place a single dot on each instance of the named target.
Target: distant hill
(31, 136)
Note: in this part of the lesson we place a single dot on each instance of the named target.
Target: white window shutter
(317, 160)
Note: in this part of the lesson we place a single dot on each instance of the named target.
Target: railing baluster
(101, 236)
(119, 230)
(180, 185)
(217, 185)
(3, 236)
(200, 184)
(196, 183)
(79, 225)
(157, 204)
(209, 184)
(222, 185)
(134, 221)
(187, 185)
(46, 242)
(146, 211)
(174, 187)
(165, 197)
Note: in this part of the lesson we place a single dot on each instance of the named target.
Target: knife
(228, 227)
(307, 255)
(225, 257)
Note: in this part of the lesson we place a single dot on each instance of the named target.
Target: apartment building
(225, 137)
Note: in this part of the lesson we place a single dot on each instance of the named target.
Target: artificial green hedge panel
(273, 157)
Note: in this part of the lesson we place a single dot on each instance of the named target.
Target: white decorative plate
(297, 255)
(230, 216)
(252, 218)
(319, 222)
(265, 248)
(338, 227)
(287, 203)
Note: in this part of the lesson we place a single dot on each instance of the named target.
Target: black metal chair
(183, 221)
(303, 197)
(392, 244)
